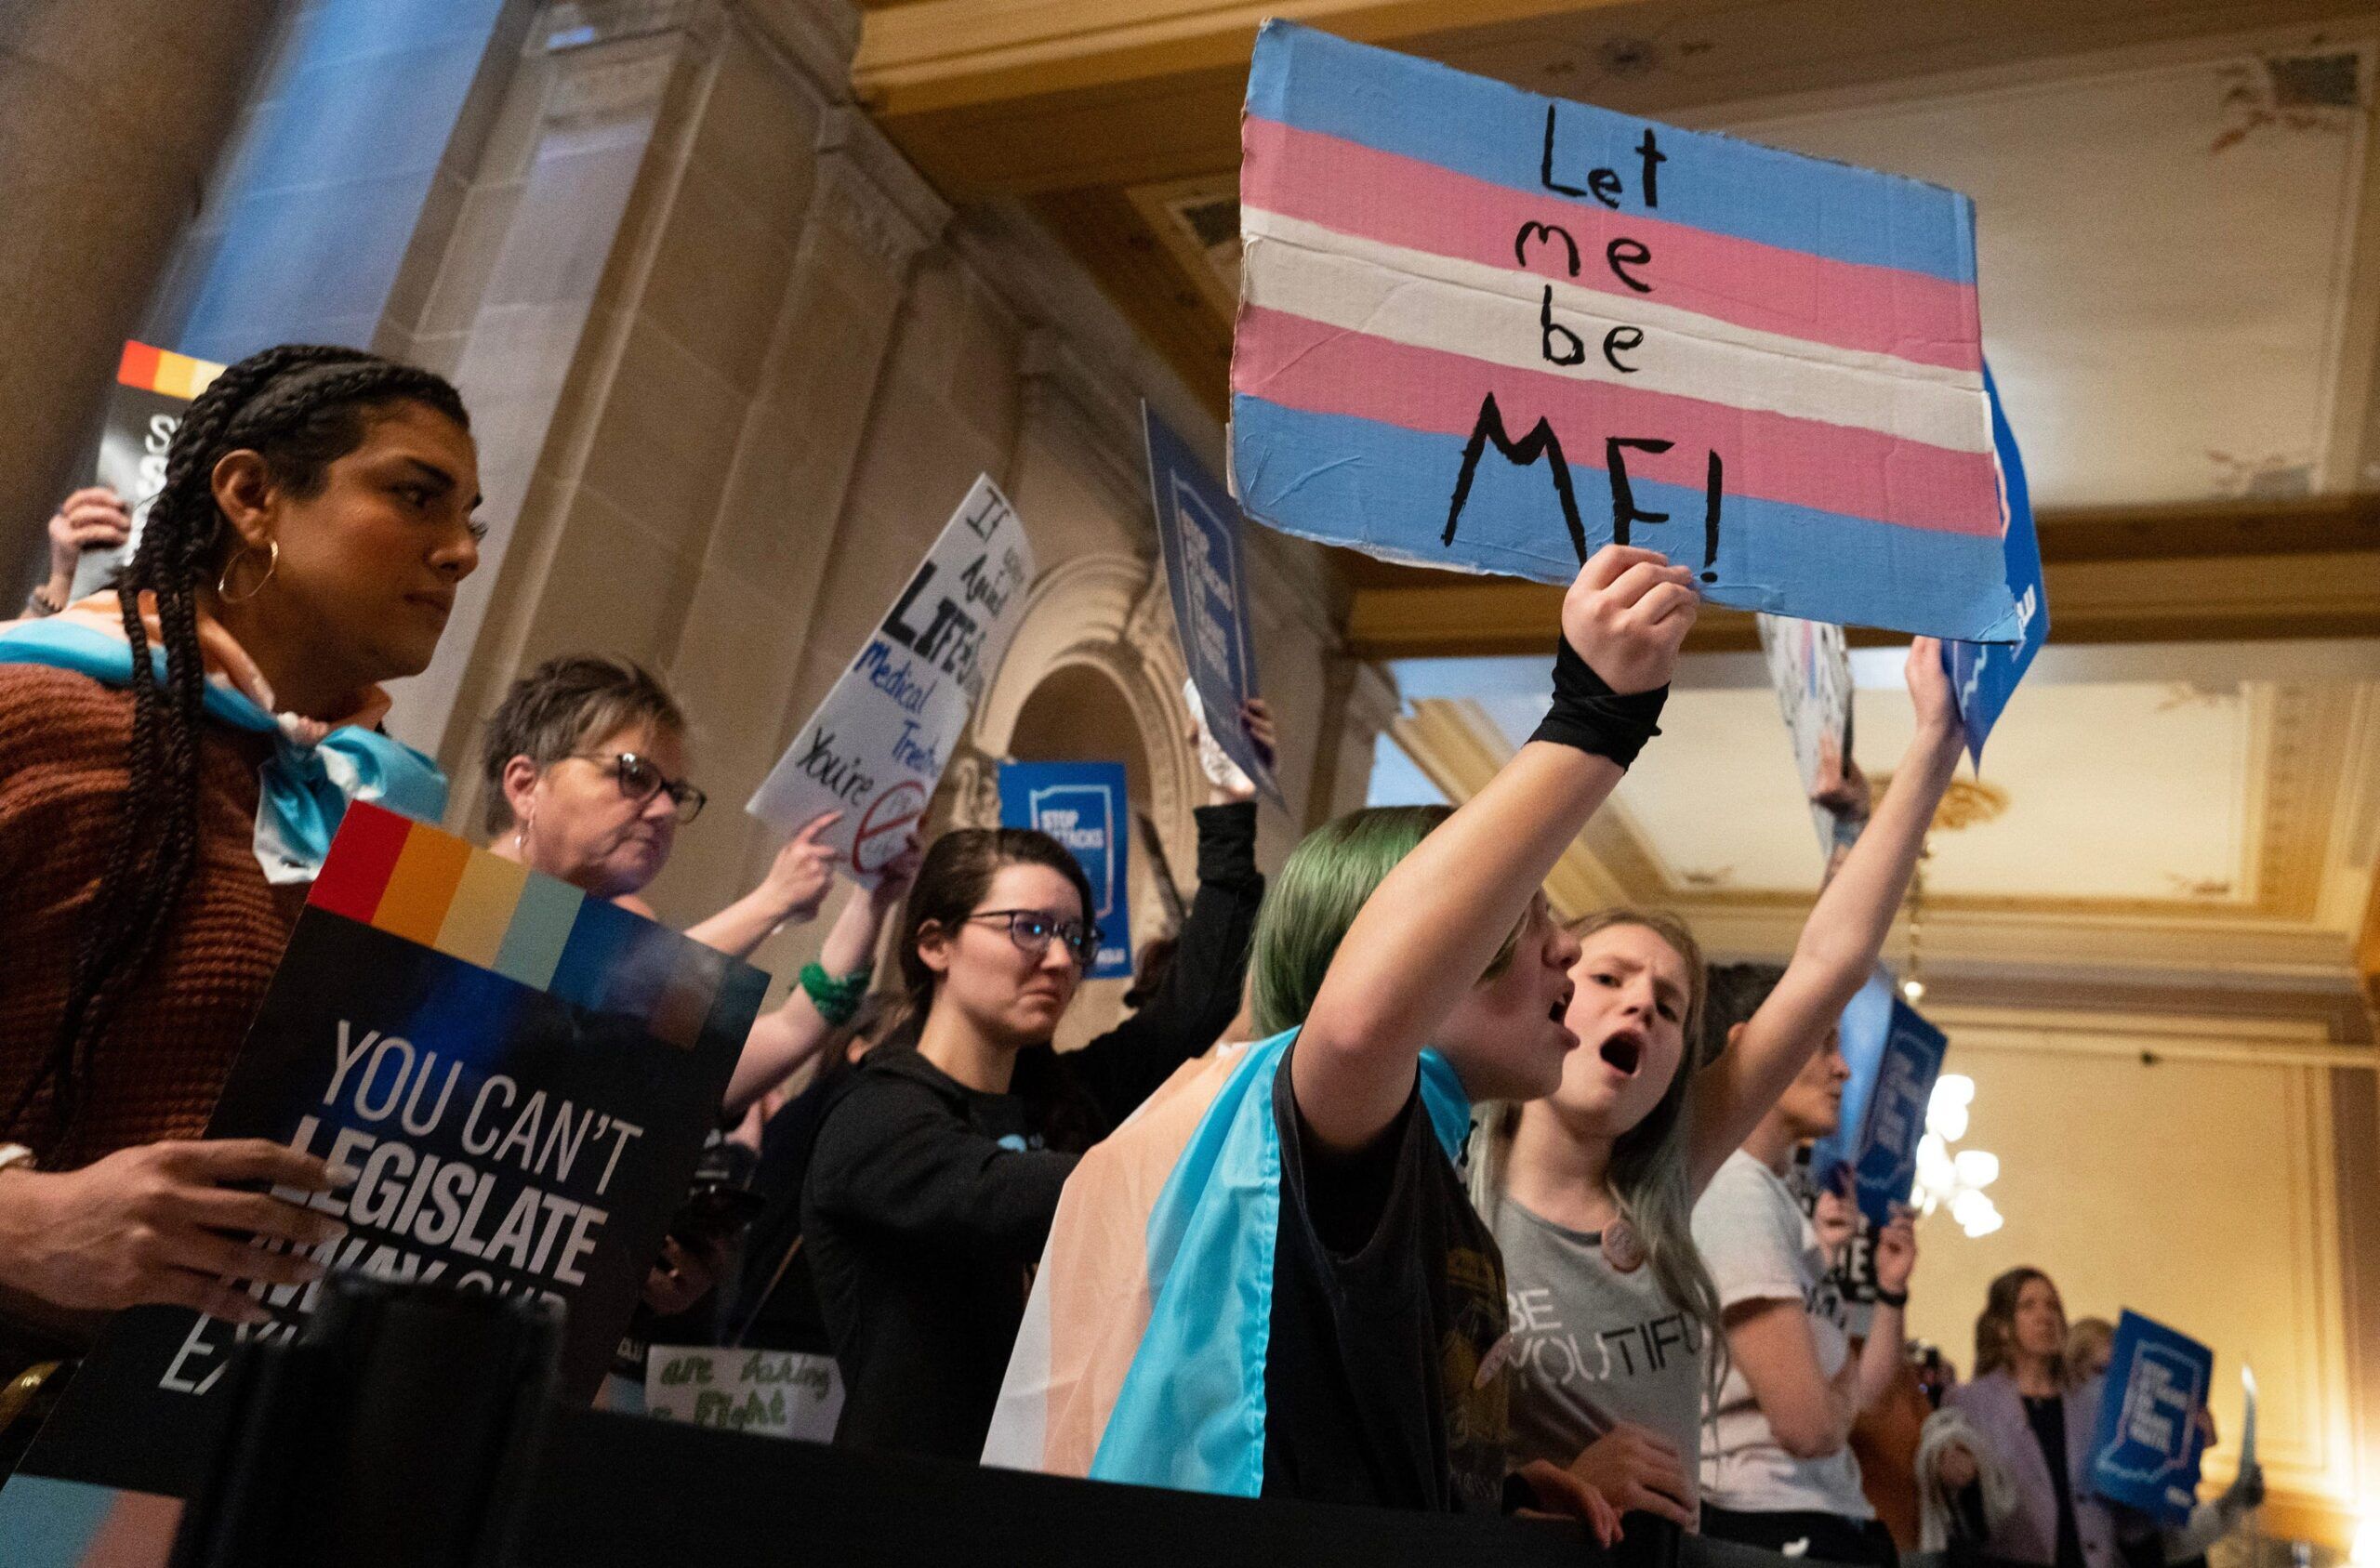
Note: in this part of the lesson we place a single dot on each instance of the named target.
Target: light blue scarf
(302, 790)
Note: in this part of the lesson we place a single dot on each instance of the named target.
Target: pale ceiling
(2162, 249)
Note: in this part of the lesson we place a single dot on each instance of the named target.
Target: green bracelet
(837, 1000)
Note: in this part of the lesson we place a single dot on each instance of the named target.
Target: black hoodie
(923, 1216)
(926, 1203)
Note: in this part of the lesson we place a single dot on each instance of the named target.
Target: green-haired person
(1272, 1281)
(1591, 1190)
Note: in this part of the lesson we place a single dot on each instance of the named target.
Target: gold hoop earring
(272, 564)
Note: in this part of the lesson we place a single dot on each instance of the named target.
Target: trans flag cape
(1491, 330)
(1142, 1354)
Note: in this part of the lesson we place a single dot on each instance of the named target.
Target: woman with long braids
(179, 753)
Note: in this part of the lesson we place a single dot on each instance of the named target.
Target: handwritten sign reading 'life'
(519, 1079)
(1489, 330)
(876, 747)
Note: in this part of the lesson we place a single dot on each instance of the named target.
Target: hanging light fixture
(1955, 1180)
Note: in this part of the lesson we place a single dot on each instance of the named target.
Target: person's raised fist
(1626, 615)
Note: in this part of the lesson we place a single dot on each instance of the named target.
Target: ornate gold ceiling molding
(943, 54)
(2197, 599)
(2299, 755)
(2300, 766)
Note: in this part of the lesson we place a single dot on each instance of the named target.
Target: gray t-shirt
(1759, 1247)
(1594, 1347)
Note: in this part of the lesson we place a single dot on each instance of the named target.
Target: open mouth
(1560, 1011)
(1624, 1052)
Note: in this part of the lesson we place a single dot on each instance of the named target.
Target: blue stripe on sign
(46, 1523)
(600, 939)
(1490, 131)
(1384, 490)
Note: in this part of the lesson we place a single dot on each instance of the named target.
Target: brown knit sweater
(157, 1070)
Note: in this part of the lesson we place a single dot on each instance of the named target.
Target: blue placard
(1083, 806)
(1883, 1160)
(1984, 675)
(2145, 1454)
(1867, 1019)
(1198, 534)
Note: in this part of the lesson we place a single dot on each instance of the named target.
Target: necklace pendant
(1622, 1248)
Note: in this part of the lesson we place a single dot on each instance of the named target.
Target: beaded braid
(299, 406)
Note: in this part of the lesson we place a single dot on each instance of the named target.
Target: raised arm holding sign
(1492, 331)
(1198, 536)
(876, 747)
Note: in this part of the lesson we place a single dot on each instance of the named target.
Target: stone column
(112, 113)
(746, 627)
(1359, 702)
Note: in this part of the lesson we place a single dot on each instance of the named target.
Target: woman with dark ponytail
(179, 754)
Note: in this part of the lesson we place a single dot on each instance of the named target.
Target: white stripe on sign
(1495, 314)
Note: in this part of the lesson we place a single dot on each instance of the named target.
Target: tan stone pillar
(748, 624)
(1359, 702)
(112, 113)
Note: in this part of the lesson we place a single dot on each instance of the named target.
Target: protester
(2035, 1427)
(1590, 1189)
(586, 772)
(93, 517)
(2090, 1345)
(585, 763)
(925, 1201)
(156, 833)
(1319, 1312)
(1182, 1003)
(1777, 1464)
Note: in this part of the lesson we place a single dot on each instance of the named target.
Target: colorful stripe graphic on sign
(1485, 329)
(162, 371)
(410, 880)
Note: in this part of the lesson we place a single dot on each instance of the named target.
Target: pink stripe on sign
(1322, 369)
(1361, 191)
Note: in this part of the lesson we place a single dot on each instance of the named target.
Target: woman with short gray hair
(586, 766)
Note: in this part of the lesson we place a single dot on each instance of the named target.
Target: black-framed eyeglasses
(1033, 931)
(640, 780)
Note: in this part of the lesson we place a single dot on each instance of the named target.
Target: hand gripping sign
(1492, 331)
(152, 387)
(876, 747)
(1198, 536)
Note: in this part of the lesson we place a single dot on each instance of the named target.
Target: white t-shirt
(1759, 1246)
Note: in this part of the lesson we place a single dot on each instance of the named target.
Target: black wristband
(1891, 1297)
(1587, 715)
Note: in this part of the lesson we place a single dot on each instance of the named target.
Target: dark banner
(521, 1079)
(152, 387)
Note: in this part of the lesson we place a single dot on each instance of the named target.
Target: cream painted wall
(2198, 1188)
